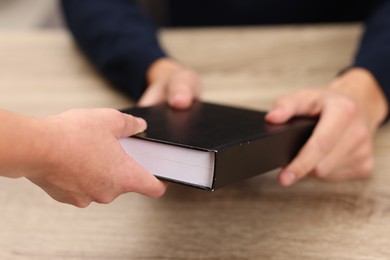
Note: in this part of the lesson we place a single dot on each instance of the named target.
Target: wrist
(24, 148)
(360, 85)
(41, 148)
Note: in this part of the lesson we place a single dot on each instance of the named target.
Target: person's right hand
(169, 81)
(84, 162)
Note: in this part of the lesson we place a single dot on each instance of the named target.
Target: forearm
(24, 145)
(117, 38)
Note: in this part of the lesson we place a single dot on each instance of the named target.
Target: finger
(139, 180)
(180, 98)
(154, 94)
(117, 123)
(300, 103)
(77, 200)
(351, 173)
(67, 197)
(132, 125)
(150, 186)
(352, 148)
(182, 90)
(361, 164)
(332, 162)
(336, 115)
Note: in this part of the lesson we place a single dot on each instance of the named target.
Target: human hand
(340, 147)
(85, 162)
(171, 82)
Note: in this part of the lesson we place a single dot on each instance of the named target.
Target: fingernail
(288, 178)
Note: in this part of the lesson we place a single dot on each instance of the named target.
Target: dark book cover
(243, 143)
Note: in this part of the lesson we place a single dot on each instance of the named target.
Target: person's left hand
(169, 81)
(350, 111)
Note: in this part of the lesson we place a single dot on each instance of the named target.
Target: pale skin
(172, 82)
(75, 156)
(66, 154)
(350, 110)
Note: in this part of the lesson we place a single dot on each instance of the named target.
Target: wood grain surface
(42, 73)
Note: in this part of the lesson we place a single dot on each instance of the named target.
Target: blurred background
(25, 14)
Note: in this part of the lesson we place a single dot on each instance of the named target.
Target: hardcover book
(210, 145)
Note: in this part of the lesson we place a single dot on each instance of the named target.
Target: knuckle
(361, 133)
(80, 203)
(104, 199)
(321, 171)
(324, 143)
(348, 106)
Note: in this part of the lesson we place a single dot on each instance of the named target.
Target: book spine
(259, 156)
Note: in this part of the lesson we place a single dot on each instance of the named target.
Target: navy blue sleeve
(374, 50)
(117, 38)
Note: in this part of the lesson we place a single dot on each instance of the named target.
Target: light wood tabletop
(43, 73)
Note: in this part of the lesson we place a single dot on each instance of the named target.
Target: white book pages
(177, 163)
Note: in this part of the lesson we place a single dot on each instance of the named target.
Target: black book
(210, 146)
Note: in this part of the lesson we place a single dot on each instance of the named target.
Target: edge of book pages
(174, 163)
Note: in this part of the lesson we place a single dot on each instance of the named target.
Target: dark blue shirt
(121, 41)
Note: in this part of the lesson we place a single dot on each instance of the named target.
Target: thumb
(132, 125)
(143, 182)
(302, 103)
(280, 113)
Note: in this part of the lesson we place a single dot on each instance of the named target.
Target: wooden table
(42, 73)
